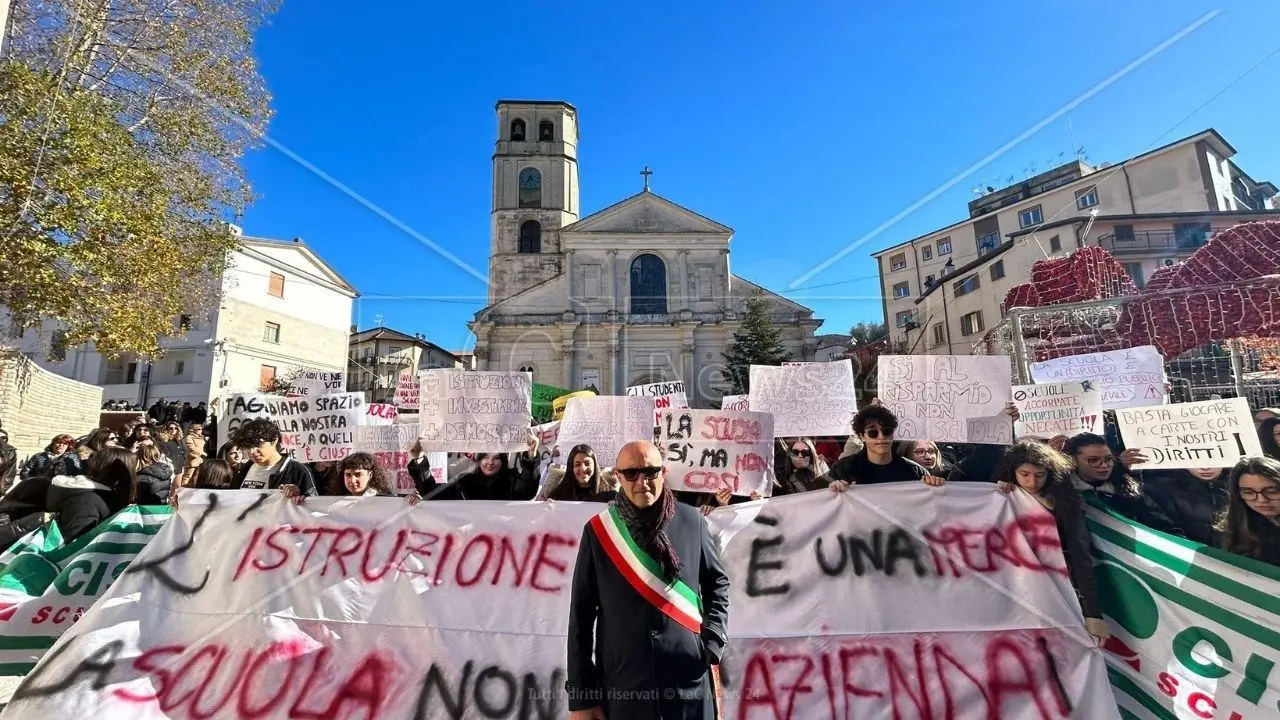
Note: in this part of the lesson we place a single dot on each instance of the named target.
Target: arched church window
(546, 131)
(517, 130)
(648, 285)
(527, 368)
(531, 237)
(530, 188)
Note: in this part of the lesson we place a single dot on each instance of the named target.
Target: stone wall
(36, 404)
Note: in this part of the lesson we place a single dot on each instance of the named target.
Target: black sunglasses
(874, 433)
(801, 453)
(633, 474)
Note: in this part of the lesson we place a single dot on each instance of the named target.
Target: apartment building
(943, 290)
(377, 357)
(282, 308)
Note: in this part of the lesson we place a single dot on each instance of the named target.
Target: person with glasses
(800, 468)
(1251, 525)
(1100, 474)
(268, 468)
(875, 463)
(649, 610)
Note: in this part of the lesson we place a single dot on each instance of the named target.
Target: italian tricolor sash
(675, 599)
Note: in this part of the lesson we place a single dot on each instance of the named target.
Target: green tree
(867, 332)
(122, 126)
(757, 342)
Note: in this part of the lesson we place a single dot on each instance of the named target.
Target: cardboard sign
(407, 388)
(389, 445)
(934, 396)
(735, 402)
(711, 450)
(1133, 377)
(663, 403)
(657, 389)
(807, 400)
(309, 383)
(549, 452)
(380, 414)
(315, 429)
(1053, 409)
(226, 613)
(994, 430)
(474, 411)
(1208, 434)
(606, 423)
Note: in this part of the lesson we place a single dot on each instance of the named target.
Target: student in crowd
(1269, 437)
(233, 455)
(169, 438)
(268, 468)
(155, 475)
(420, 469)
(493, 479)
(327, 477)
(84, 501)
(1102, 475)
(194, 451)
(1046, 475)
(362, 476)
(580, 479)
(1192, 500)
(875, 425)
(8, 461)
(1265, 414)
(56, 459)
(800, 468)
(1251, 525)
(96, 441)
(925, 454)
(214, 474)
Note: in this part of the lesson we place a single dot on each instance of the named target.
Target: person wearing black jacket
(1102, 475)
(1192, 500)
(267, 468)
(155, 476)
(420, 470)
(360, 475)
(80, 502)
(494, 480)
(8, 460)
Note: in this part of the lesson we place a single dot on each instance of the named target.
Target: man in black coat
(640, 645)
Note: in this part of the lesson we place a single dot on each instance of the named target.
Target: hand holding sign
(717, 451)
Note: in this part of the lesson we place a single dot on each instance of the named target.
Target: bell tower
(535, 193)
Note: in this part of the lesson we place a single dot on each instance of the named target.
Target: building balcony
(1148, 242)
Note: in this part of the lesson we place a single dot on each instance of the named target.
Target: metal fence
(1239, 367)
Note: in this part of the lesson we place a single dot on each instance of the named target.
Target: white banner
(309, 383)
(934, 396)
(390, 445)
(885, 602)
(1133, 377)
(806, 400)
(1209, 434)
(735, 402)
(711, 450)
(657, 389)
(315, 429)
(470, 411)
(549, 451)
(606, 423)
(407, 386)
(1054, 409)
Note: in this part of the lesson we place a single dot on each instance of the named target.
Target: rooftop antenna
(378, 319)
(1071, 132)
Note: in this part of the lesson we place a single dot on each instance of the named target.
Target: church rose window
(517, 130)
(530, 188)
(530, 237)
(648, 285)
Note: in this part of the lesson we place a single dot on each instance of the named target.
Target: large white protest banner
(249, 606)
(1053, 409)
(735, 402)
(315, 429)
(470, 411)
(714, 450)
(1133, 377)
(934, 396)
(1208, 434)
(606, 423)
(309, 383)
(807, 400)
(390, 445)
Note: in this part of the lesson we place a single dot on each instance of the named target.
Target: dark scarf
(648, 528)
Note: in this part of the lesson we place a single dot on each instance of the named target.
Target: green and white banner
(1195, 630)
(47, 584)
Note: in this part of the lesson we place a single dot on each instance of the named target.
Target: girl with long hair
(800, 468)
(1251, 524)
(1268, 431)
(581, 479)
(1045, 474)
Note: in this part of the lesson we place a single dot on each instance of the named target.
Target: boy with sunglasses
(875, 463)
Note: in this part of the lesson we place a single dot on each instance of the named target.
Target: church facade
(636, 293)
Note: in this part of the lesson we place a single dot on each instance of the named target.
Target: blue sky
(803, 126)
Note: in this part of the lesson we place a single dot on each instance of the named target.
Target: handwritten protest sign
(735, 402)
(657, 389)
(710, 450)
(315, 429)
(469, 411)
(379, 414)
(1208, 434)
(549, 453)
(1133, 377)
(246, 605)
(1053, 409)
(407, 385)
(309, 383)
(934, 396)
(543, 396)
(389, 445)
(606, 423)
(808, 400)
